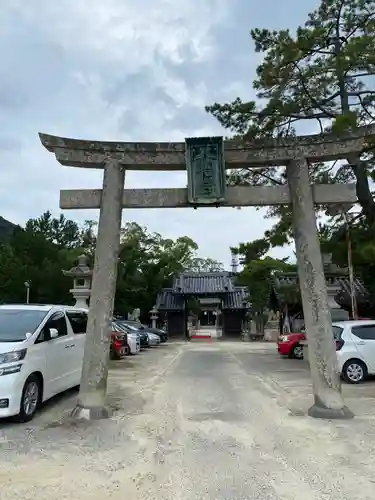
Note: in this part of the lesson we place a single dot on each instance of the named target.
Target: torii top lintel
(170, 156)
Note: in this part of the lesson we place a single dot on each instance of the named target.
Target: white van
(41, 354)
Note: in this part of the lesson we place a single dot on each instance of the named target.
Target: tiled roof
(167, 300)
(283, 280)
(344, 294)
(203, 283)
(238, 299)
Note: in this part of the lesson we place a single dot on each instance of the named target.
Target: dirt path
(192, 422)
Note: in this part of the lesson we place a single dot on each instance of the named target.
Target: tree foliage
(257, 273)
(318, 79)
(148, 263)
(203, 265)
(47, 245)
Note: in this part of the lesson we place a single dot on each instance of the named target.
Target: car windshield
(16, 323)
(116, 327)
(130, 327)
(134, 325)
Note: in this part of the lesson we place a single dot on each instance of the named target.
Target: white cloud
(138, 70)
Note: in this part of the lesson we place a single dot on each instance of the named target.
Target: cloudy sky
(132, 70)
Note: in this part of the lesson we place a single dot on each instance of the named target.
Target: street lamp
(27, 286)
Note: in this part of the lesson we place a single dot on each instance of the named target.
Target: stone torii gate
(295, 153)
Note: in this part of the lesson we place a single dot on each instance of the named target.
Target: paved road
(192, 422)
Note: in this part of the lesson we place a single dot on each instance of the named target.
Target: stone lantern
(154, 314)
(81, 275)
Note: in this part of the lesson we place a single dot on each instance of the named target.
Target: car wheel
(297, 351)
(113, 356)
(354, 371)
(31, 397)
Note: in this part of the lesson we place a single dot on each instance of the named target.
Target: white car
(41, 354)
(134, 343)
(355, 349)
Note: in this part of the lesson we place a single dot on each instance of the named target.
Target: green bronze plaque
(206, 170)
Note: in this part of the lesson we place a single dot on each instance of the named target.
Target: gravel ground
(194, 422)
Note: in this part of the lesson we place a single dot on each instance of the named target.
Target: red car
(119, 343)
(289, 345)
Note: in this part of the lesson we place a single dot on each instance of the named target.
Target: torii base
(99, 413)
(343, 413)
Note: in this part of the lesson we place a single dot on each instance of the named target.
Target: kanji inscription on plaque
(206, 170)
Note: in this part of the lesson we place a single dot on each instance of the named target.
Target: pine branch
(367, 112)
(262, 174)
(361, 25)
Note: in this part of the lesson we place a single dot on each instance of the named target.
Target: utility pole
(343, 210)
(350, 266)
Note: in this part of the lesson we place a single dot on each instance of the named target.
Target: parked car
(157, 331)
(355, 349)
(162, 334)
(134, 343)
(143, 337)
(289, 345)
(153, 339)
(132, 338)
(148, 338)
(41, 354)
(119, 343)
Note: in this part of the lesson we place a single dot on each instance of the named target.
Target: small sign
(206, 170)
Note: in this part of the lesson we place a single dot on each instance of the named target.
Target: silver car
(153, 339)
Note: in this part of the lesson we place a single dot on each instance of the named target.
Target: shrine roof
(168, 300)
(203, 283)
(338, 277)
(344, 296)
(238, 299)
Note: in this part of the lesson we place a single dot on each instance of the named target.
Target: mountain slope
(6, 230)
